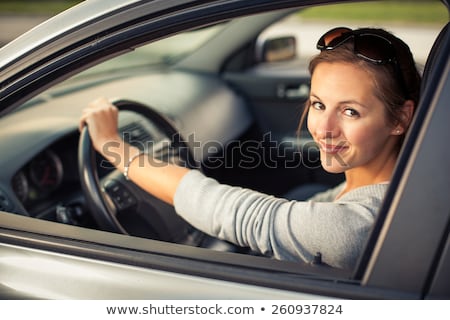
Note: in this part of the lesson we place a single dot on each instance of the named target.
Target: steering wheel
(120, 206)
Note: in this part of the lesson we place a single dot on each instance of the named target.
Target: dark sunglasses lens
(327, 39)
(374, 48)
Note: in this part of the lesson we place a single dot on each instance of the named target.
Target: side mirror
(277, 49)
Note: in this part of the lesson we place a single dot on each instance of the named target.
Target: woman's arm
(285, 230)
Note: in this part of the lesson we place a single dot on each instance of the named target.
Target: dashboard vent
(135, 135)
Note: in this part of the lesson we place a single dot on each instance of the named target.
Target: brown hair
(391, 88)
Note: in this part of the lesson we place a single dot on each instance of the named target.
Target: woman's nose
(327, 126)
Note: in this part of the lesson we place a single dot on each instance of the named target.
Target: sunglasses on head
(370, 46)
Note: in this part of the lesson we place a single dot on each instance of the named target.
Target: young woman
(364, 88)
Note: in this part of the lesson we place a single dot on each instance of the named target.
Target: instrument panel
(49, 177)
(42, 175)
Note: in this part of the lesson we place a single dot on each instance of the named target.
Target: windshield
(163, 52)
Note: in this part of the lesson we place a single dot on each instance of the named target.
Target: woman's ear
(406, 114)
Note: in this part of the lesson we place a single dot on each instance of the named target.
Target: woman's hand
(101, 117)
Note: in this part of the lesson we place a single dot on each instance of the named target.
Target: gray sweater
(279, 228)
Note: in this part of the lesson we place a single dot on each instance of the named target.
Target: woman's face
(346, 120)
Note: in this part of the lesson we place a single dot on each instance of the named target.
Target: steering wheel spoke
(120, 195)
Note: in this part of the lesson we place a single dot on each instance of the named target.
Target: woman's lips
(332, 148)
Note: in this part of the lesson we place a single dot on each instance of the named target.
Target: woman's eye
(317, 105)
(351, 112)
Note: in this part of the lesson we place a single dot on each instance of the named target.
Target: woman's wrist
(134, 157)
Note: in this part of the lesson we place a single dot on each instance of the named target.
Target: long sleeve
(286, 230)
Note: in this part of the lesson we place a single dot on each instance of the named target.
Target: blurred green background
(39, 7)
(411, 11)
